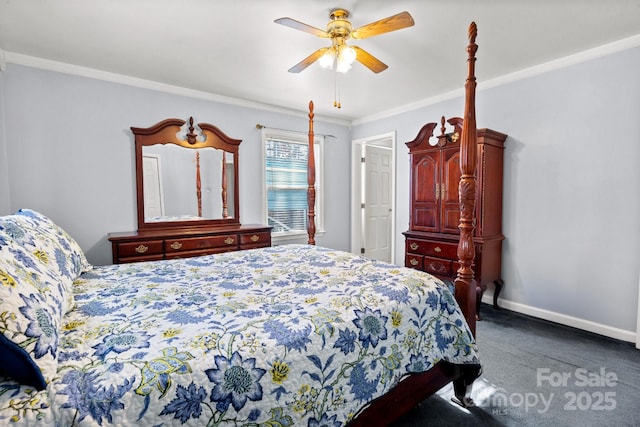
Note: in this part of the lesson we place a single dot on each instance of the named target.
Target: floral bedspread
(288, 335)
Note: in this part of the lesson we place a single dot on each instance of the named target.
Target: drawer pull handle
(142, 249)
(413, 261)
(255, 238)
(437, 249)
(436, 267)
(229, 240)
(176, 245)
(414, 246)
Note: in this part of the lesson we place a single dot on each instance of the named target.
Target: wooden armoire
(432, 239)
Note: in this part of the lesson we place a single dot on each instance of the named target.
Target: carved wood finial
(191, 136)
(473, 32)
(311, 180)
(452, 137)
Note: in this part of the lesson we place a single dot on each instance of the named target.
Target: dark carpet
(538, 373)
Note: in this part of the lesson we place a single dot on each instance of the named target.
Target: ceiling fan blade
(391, 23)
(308, 60)
(302, 27)
(369, 61)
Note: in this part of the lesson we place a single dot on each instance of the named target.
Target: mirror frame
(166, 132)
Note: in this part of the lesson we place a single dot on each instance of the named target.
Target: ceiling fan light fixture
(348, 54)
(342, 66)
(345, 58)
(339, 57)
(326, 60)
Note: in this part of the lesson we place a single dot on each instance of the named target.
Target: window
(286, 182)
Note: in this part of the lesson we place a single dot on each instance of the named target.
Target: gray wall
(71, 154)
(571, 187)
(571, 178)
(4, 169)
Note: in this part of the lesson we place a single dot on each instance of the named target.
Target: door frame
(638, 317)
(357, 148)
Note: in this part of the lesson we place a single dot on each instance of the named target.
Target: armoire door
(450, 204)
(425, 188)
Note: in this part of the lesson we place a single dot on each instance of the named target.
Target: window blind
(286, 180)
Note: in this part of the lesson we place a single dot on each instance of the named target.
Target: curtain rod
(260, 127)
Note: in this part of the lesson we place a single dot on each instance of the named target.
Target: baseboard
(563, 319)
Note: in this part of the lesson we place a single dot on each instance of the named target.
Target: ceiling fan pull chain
(336, 90)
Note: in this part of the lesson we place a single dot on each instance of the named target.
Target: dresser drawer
(414, 261)
(153, 257)
(198, 252)
(434, 249)
(140, 248)
(188, 242)
(199, 243)
(259, 239)
(438, 266)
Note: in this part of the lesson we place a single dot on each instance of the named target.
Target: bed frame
(415, 388)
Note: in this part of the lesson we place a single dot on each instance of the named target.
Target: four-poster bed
(417, 387)
(286, 335)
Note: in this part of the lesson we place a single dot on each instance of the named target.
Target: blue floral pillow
(74, 262)
(32, 304)
(52, 247)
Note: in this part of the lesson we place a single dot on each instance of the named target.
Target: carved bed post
(225, 207)
(465, 285)
(417, 387)
(311, 180)
(198, 184)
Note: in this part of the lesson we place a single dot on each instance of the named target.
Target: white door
(377, 207)
(373, 197)
(153, 203)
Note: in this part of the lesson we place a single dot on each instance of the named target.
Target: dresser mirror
(186, 175)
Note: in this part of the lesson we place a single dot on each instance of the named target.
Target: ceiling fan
(339, 30)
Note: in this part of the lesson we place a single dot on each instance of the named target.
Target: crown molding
(567, 61)
(581, 57)
(61, 67)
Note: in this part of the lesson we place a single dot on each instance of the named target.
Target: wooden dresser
(432, 239)
(200, 195)
(180, 243)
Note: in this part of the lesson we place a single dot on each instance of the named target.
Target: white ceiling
(234, 49)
